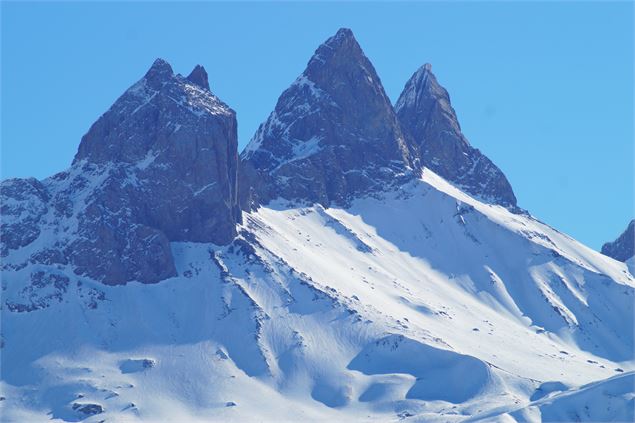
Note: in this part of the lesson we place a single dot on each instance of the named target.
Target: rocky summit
(623, 248)
(333, 134)
(426, 115)
(159, 166)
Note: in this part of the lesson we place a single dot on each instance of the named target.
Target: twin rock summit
(162, 163)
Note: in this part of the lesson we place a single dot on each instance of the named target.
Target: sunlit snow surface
(419, 305)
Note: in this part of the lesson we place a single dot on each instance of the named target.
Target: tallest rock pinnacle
(333, 134)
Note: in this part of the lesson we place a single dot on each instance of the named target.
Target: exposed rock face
(160, 165)
(333, 134)
(183, 144)
(24, 202)
(623, 248)
(426, 115)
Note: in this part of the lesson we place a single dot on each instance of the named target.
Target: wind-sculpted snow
(440, 375)
(610, 400)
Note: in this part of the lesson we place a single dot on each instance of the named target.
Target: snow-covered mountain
(356, 284)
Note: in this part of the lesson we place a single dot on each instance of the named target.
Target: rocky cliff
(160, 165)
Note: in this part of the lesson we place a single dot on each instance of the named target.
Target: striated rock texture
(623, 248)
(333, 134)
(159, 166)
(426, 115)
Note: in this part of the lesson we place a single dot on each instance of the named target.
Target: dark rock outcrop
(333, 134)
(44, 289)
(88, 409)
(159, 166)
(23, 202)
(427, 117)
(181, 143)
(199, 77)
(623, 248)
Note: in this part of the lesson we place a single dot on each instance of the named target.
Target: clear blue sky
(544, 89)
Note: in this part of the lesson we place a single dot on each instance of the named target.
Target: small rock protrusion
(199, 77)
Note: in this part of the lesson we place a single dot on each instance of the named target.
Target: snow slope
(420, 304)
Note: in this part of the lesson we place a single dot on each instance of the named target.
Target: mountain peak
(423, 72)
(425, 76)
(426, 114)
(198, 76)
(344, 32)
(342, 49)
(343, 38)
(341, 35)
(333, 134)
(423, 86)
(160, 69)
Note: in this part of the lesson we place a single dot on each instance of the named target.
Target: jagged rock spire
(341, 59)
(159, 72)
(426, 115)
(198, 76)
(333, 134)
